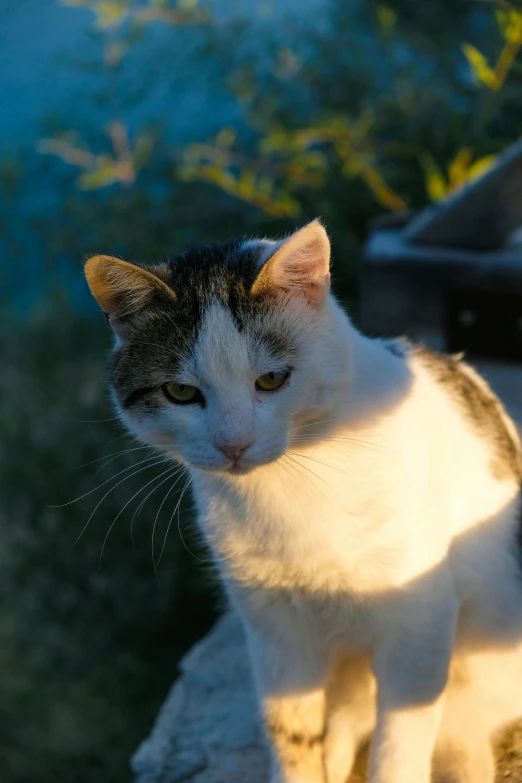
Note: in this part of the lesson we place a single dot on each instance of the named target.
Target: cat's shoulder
(480, 407)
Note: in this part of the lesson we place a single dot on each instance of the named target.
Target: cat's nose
(233, 451)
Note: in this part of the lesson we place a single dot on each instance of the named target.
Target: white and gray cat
(361, 498)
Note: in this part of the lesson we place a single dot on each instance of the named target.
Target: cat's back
(480, 410)
(474, 414)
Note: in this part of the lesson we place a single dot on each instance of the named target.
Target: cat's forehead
(212, 308)
(223, 275)
(223, 352)
(221, 270)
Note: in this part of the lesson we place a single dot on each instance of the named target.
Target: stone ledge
(208, 730)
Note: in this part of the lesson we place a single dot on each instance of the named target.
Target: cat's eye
(182, 393)
(271, 381)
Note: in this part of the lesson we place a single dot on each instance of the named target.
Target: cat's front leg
(290, 683)
(411, 666)
(295, 728)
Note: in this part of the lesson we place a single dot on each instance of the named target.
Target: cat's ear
(123, 290)
(301, 265)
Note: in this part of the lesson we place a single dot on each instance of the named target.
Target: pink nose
(233, 451)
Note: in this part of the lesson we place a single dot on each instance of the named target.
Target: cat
(361, 497)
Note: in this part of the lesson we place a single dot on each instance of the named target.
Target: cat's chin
(232, 470)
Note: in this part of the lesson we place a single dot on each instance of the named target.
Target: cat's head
(220, 352)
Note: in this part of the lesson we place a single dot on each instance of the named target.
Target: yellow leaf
(275, 141)
(436, 185)
(386, 18)
(502, 18)
(480, 69)
(512, 27)
(101, 178)
(109, 15)
(458, 168)
(265, 185)
(480, 167)
(115, 53)
(311, 160)
(247, 184)
(226, 137)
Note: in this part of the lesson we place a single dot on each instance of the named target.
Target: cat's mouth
(240, 469)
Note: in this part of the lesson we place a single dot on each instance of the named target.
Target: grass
(87, 653)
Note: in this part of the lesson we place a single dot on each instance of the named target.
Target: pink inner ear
(318, 289)
(306, 267)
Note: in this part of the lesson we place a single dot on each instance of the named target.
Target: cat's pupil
(181, 387)
(271, 375)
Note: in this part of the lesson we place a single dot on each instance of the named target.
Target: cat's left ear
(300, 266)
(125, 291)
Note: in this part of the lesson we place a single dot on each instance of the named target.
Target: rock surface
(209, 730)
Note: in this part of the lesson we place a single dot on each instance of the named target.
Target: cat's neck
(370, 379)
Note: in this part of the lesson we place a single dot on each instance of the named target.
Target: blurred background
(139, 128)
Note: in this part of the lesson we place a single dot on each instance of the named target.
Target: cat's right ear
(300, 266)
(123, 290)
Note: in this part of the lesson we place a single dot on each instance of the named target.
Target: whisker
(114, 455)
(179, 528)
(314, 474)
(114, 487)
(283, 465)
(118, 455)
(120, 512)
(291, 466)
(326, 464)
(316, 423)
(62, 505)
(96, 421)
(179, 474)
(163, 347)
(119, 437)
(179, 521)
(301, 475)
(138, 510)
(345, 439)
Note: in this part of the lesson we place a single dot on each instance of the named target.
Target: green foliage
(278, 164)
(87, 652)
(509, 20)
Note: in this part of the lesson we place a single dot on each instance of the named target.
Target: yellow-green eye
(182, 393)
(271, 381)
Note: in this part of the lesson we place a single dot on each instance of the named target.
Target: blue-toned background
(138, 128)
